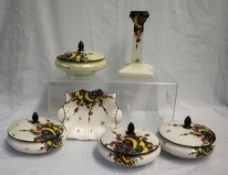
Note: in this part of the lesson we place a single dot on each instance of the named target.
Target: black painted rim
(133, 155)
(159, 135)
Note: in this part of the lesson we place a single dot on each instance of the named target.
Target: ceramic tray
(87, 114)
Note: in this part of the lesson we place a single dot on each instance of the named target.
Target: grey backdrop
(187, 37)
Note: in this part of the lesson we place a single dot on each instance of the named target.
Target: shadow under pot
(36, 135)
(186, 139)
(129, 147)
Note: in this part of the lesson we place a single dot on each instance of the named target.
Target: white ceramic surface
(85, 125)
(80, 69)
(32, 138)
(137, 68)
(129, 150)
(195, 142)
(80, 62)
(184, 151)
(138, 160)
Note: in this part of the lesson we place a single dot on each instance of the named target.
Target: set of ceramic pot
(94, 115)
(86, 63)
(123, 146)
(135, 147)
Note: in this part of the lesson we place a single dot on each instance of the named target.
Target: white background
(187, 37)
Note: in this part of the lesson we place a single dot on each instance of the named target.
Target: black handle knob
(187, 122)
(80, 46)
(35, 118)
(130, 129)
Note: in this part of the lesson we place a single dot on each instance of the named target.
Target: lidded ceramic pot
(36, 135)
(129, 147)
(186, 139)
(80, 62)
(87, 114)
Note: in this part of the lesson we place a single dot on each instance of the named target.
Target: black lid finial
(187, 122)
(80, 46)
(130, 129)
(35, 118)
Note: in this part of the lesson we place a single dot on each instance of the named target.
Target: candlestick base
(138, 70)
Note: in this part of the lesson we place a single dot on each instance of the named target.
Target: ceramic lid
(130, 141)
(35, 129)
(81, 56)
(186, 133)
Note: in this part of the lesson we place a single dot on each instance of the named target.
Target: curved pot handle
(61, 114)
(119, 116)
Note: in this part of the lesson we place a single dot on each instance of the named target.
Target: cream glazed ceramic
(36, 135)
(129, 147)
(87, 114)
(186, 139)
(80, 62)
(137, 68)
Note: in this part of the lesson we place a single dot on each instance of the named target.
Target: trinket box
(186, 139)
(80, 62)
(36, 135)
(129, 147)
(87, 114)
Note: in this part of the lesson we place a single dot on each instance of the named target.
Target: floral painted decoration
(206, 135)
(138, 18)
(89, 99)
(78, 56)
(50, 134)
(128, 148)
(207, 138)
(204, 151)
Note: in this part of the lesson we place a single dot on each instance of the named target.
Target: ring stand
(137, 67)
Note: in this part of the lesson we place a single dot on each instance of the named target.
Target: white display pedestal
(144, 101)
